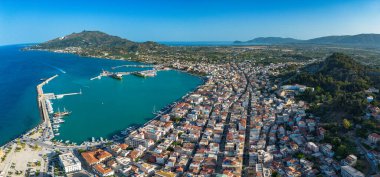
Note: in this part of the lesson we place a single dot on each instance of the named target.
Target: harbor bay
(106, 105)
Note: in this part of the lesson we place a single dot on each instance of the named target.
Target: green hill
(96, 43)
(339, 83)
(86, 39)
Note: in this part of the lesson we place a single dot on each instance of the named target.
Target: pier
(68, 94)
(41, 99)
(51, 96)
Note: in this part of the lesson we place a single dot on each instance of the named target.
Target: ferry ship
(117, 76)
(148, 73)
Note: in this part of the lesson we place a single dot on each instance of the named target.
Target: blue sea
(105, 106)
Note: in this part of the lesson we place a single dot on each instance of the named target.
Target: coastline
(42, 105)
(42, 110)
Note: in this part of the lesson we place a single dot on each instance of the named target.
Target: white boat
(59, 120)
(49, 106)
(57, 134)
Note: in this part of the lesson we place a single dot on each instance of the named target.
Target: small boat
(57, 134)
(61, 114)
(154, 110)
(58, 121)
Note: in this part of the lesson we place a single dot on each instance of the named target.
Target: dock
(133, 66)
(145, 73)
(108, 74)
(59, 96)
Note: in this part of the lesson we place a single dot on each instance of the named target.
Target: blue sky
(192, 20)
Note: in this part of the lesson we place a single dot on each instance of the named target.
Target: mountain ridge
(369, 39)
(270, 40)
(93, 39)
(98, 44)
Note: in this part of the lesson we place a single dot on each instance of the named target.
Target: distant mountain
(360, 39)
(270, 40)
(366, 40)
(96, 43)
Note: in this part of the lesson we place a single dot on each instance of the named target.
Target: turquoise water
(105, 107)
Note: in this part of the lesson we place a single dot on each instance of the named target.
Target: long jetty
(68, 94)
(107, 74)
(133, 66)
(43, 107)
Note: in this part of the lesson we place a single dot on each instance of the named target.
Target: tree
(170, 149)
(341, 151)
(275, 174)
(300, 156)
(346, 124)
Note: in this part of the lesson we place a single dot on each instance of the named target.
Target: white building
(136, 139)
(347, 171)
(373, 138)
(312, 146)
(69, 162)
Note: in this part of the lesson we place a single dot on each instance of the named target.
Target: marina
(127, 108)
(51, 119)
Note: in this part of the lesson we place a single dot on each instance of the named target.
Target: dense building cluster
(243, 121)
(239, 123)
